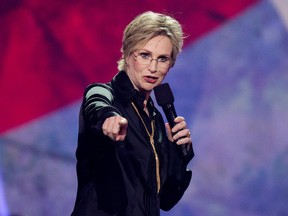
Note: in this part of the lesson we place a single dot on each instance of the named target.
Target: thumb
(169, 132)
(123, 123)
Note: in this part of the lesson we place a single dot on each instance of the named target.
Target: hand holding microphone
(180, 133)
(178, 127)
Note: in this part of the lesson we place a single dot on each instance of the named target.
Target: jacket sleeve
(178, 178)
(97, 105)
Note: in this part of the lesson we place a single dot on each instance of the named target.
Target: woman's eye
(145, 55)
(163, 59)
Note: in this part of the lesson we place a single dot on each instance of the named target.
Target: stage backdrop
(230, 82)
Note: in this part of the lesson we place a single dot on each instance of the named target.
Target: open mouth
(150, 79)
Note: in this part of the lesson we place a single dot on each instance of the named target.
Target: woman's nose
(153, 65)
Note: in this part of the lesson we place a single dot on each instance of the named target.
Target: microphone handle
(170, 114)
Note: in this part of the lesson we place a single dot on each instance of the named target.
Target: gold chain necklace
(151, 136)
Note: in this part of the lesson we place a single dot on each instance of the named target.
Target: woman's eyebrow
(161, 55)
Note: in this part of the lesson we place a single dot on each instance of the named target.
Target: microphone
(165, 99)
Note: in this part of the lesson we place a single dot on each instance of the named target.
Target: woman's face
(146, 76)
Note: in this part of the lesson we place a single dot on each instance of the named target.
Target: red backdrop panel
(49, 51)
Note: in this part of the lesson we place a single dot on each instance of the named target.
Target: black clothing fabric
(119, 178)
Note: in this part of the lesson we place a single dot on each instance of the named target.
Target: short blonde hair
(146, 26)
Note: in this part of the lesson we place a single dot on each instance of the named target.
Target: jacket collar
(126, 91)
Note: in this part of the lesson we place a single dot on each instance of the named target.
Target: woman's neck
(145, 106)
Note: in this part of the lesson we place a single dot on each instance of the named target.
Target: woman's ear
(126, 62)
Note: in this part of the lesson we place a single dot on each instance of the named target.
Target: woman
(126, 165)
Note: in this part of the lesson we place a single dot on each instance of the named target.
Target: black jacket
(119, 178)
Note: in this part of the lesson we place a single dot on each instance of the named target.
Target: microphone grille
(163, 94)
